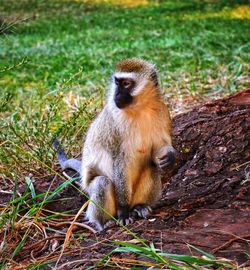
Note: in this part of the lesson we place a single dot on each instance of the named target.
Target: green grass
(158, 259)
(56, 58)
(60, 53)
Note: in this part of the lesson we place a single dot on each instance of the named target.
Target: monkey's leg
(101, 192)
(147, 193)
(122, 190)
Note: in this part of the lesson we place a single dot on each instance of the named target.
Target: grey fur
(98, 195)
(65, 163)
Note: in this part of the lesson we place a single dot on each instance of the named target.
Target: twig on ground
(229, 242)
(83, 225)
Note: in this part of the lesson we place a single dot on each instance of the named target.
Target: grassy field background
(56, 58)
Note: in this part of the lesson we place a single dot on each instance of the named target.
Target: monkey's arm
(65, 163)
(163, 151)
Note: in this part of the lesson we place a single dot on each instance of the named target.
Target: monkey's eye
(127, 84)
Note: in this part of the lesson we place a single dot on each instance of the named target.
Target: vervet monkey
(126, 147)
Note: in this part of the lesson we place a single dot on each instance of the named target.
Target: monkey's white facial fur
(125, 86)
(139, 81)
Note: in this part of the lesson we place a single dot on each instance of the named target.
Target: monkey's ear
(154, 78)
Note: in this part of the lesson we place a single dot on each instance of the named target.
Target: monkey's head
(130, 80)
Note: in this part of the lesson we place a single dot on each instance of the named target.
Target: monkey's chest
(139, 146)
(142, 139)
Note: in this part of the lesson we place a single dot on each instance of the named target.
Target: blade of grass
(60, 188)
(129, 247)
(208, 255)
(30, 186)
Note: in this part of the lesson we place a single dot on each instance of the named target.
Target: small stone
(205, 224)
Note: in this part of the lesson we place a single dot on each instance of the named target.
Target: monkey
(126, 148)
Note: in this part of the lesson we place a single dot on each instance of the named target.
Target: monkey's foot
(142, 210)
(126, 221)
(108, 223)
(124, 216)
(100, 226)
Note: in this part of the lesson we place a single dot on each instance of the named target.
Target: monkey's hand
(166, 157)
(142, 210)
(124, 216)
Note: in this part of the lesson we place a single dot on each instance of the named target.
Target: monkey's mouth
(123, 101)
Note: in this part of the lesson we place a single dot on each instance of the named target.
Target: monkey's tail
(65, 163)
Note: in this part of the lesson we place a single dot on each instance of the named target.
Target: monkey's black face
(123, 89)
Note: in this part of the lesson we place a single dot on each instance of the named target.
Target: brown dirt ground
(205, 201)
